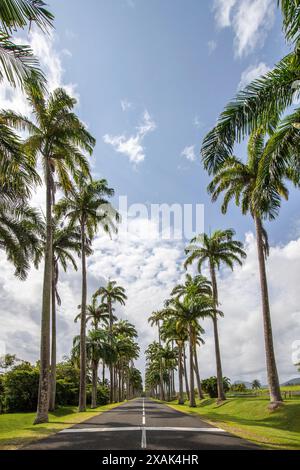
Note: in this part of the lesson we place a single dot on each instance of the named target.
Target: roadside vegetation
(250, 418)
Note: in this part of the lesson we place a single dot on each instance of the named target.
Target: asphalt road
(142, 424)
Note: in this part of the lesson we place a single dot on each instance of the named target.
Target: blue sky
(151, 77)
(174, 60)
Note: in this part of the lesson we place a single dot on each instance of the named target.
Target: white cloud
(212, 45)
(253, 72)
(250, 20)
(189, 153)
(132, 146)
(125, 104)
(223, 10)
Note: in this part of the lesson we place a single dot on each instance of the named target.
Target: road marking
(121, 428)
(184, 429)
(144, 439)
(141, 428)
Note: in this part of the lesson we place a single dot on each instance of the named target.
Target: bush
(66, 393)
(102, 395)
(210, 386)
(21, 389)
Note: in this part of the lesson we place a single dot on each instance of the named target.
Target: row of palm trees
(179, 322)
(111, 342)
(53, 151)
(257, 186)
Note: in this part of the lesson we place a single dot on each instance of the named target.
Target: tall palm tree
(58, 138)
(17, 63)
(111, 294)
(155, 319)
(86, 205)
(97, 347)
(217, 249)
(171, 330)
(66, 242)
(95, 313)
(188, 313)
(262, 102)
(238, 181)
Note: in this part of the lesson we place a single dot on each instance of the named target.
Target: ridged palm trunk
(43, 393)
(103, 372)
(180, 375)
(53, 341)
(192, 384)
(187, 389)
(82, 383)
(111, 368)
(273, 380)
(197, 373)
(161, 380)
(94, 383)
(221, 394)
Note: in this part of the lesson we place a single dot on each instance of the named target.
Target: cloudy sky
(151, 78)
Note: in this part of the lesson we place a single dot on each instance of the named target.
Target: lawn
(17, 430)
(250, 418)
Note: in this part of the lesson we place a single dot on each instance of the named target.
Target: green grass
(17, 429)
(250, 418)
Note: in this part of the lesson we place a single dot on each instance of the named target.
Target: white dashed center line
(144, 440)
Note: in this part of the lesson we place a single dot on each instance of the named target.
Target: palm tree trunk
(273, 380)
(186, 375)
(196, 367)
(111, 369)
(103, 372)
(94, 383)
(221, 394)
(180, 376)
(192, 390)
(161, 380)
(53, 342)
(82, 384)
(43, 393)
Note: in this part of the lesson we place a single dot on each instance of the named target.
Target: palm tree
(66, 241)
(17, 61)
(58, 137)
(97, 345)
(171, 330)
(187, 313)
(238, 180)
(86, 205)
(20, 228)
(155, 319)
(256, 385)
(217, 249)
(111, 293)
(262, 102)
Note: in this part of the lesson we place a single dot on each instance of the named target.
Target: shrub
(66, 393)
(21, 389)
(102, 395)
(210, 386)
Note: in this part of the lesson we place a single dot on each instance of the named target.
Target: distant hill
(295, 381)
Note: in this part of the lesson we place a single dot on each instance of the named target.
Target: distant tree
(210, 386)
(256, 385)
(8, 360)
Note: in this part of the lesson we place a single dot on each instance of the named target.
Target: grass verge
(17, 430)
(250, 419)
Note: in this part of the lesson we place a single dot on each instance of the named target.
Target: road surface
(142, 424)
